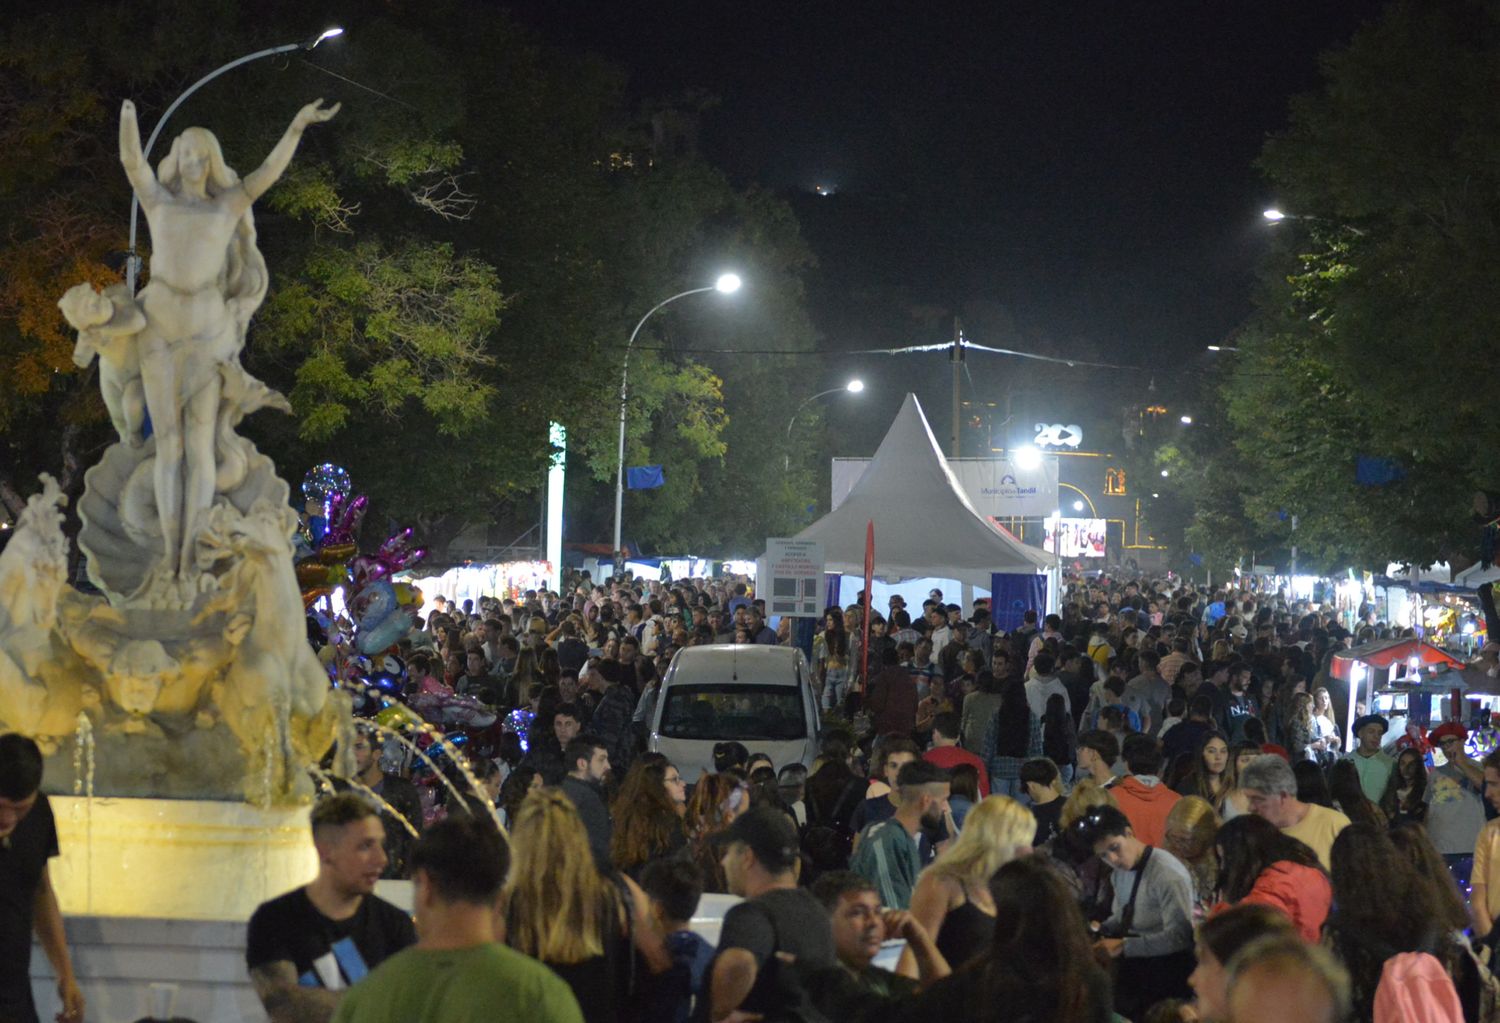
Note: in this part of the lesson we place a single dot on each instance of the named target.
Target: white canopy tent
(924, 525)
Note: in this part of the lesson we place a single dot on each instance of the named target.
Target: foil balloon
(385, 682)
(336, 553)
(384, 635)
(408, 595)
(398, 715)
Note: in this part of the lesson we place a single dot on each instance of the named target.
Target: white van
(761, 696)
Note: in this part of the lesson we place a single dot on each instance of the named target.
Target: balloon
(336, 553)
(385, 682)
(312, 574)
(396, 715)
(408, 595)
(311, 597)
(324, 481)
(377, 601)
(385, 634)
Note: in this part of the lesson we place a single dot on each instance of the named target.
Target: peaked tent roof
(924, 524)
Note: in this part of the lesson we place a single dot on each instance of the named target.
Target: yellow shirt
(1487, 866)
(1317, 831)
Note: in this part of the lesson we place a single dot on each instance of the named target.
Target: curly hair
(646, 822)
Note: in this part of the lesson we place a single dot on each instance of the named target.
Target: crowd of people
(1134, 809)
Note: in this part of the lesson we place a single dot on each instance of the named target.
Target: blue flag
(644, 477)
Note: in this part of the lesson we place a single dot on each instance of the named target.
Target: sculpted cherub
(107, 326)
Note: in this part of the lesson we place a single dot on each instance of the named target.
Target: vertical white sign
(793, 580)
(557, 435)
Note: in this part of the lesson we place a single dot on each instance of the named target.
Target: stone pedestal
(179, 859)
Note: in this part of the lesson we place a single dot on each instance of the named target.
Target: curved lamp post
(132, 261)
(726, 284)
(852, 387)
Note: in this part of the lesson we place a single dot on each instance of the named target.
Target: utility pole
(956, 359)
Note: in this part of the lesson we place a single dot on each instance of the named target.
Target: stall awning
(1386, 652)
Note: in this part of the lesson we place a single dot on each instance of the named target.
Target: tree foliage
(1378, 319)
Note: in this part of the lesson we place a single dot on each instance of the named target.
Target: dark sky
(1075, 176)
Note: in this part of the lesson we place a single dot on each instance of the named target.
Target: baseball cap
(769, 834)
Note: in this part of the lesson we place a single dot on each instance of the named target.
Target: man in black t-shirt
(305, 947)
(400, 793)
(759, 854)
(28, 839)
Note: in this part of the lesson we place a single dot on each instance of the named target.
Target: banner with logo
(994, 486)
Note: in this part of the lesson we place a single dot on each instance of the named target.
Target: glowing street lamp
(855, 386)
(724, 284)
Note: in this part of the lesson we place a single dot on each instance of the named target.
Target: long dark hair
(1381, 907)
(1013, 721)
(1312, 783)
(835, 639)
(1390, 800)
(1040, 949)
(1412, 841)
(1247, 846)
(1059, 741)
(1344, 786)
(1196, 781)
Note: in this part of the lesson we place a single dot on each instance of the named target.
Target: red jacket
(1146, 806)
(949, 757)
(1302, 893)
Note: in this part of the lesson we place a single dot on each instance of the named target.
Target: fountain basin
(177, 859)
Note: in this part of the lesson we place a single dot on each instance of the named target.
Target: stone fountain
(181, 704)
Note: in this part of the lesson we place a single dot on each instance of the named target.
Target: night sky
(1074, 178)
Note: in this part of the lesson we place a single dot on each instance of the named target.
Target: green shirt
(488, 982)
(1374, 773)
(889, 859)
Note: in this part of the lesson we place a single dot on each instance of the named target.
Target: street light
(1274, 215)
(1027, 457)
(1186, 420)
(725, 284)
(132, 261)
(852, 387)
(1222, 348)
(1078, 506)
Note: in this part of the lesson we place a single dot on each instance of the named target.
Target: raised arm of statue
(136, 167)
(260, 180)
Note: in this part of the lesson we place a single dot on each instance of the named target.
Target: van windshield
(733, 711)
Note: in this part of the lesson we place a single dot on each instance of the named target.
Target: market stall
(1397, 677)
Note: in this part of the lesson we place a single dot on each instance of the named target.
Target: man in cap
(1372, 762)
(760, 855)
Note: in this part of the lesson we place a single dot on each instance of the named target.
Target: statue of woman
(207, 280)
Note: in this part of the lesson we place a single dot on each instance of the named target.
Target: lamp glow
(1027, 457)
(1187, 420)
(727, 284)
(855, 386)
(1165, 473)
(1078, 506)
(327, 33)
(1274, 215)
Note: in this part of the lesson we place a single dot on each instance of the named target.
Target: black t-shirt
(326, 953)
(786, 920)
(1048, 820)
(23, 857)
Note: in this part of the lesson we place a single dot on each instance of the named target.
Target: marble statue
(192, 663)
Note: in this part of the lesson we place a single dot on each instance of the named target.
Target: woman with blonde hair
(952, 897)
(561, 910)
(1192, 826)
(1088, 877)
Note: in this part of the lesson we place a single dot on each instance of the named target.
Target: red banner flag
(864, 646)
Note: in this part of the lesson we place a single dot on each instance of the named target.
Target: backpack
(1414, 988)
(828, 843)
